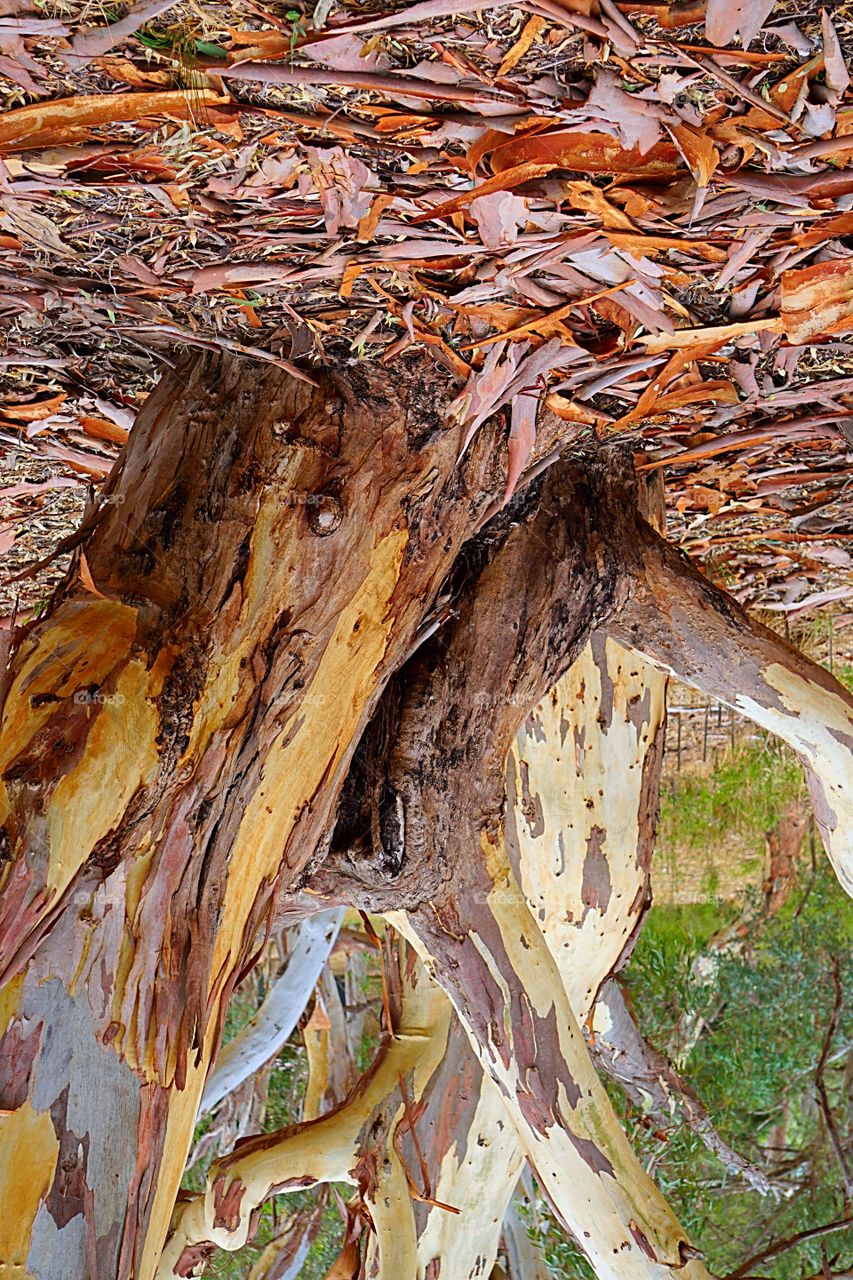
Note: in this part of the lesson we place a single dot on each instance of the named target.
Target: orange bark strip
(668, 16)
(657, 342)
(699, 152)
(35, 411)
(720, 390)
(368, 224)
(587, 153)
(825, 229)
(733, 55)
(530, 33)
(674, 366)
(818, 300)
(46, 124)
(639, 243)
(503, 181)
(545, 323)
(103, 429)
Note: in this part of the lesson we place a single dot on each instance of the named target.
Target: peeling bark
(174, 751)
(504, 985)
(271, 1027)
(473, 1160)
(588, 756)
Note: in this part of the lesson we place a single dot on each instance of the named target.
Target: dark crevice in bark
(456, 705)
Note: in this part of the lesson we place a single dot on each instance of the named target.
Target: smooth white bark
(274, 1022)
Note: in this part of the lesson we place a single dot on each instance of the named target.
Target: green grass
(743, 797)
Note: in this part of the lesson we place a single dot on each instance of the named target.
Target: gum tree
(299, 636)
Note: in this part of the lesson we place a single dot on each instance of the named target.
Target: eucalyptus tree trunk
(175, 732)
(178, 750)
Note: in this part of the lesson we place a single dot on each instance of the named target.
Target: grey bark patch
(531, 806)
(598, 645)
(639, 710)
(101, 1110)
(57, 1253)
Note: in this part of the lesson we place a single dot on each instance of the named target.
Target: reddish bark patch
(642, 1240)
(18, 1052)
(68, 1193)
(226, 1204)
(194, 1256)
(596, 887)
(593, 1155)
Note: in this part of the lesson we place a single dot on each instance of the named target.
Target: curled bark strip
(686, 625)
(272, 1025)
(351, 1144)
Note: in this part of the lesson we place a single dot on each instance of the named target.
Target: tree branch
(820, 1085)
(686, 625)
(782, 1246)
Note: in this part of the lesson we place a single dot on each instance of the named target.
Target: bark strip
(271, 1027)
